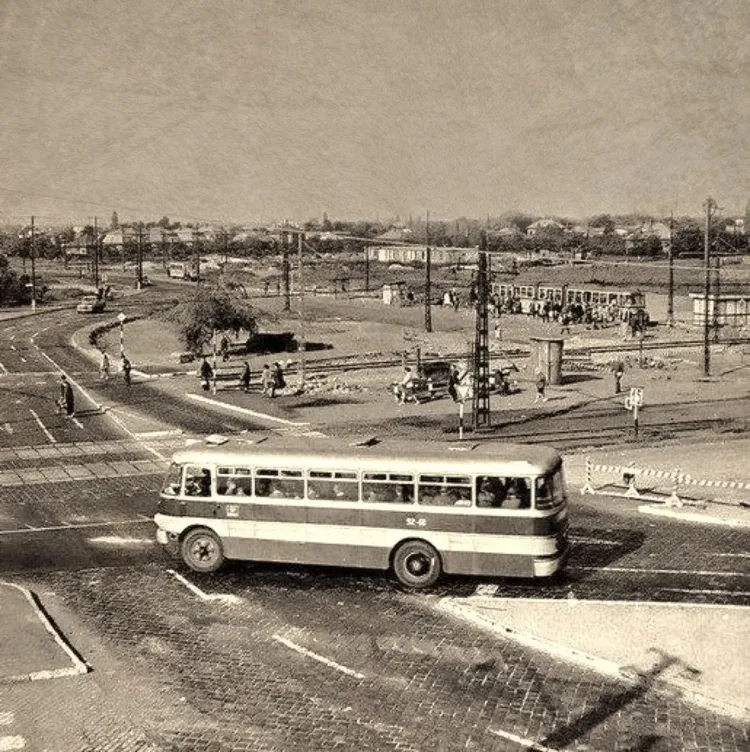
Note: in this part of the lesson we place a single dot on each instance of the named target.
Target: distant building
(545, 227)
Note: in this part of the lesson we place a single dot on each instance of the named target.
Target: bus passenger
(485, 494)
(517, 495)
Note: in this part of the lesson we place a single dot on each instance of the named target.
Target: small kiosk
(546, 357)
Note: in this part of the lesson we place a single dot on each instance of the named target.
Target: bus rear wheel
(416, 564)
(202, 551)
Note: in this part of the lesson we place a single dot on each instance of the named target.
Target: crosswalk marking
(8, 743)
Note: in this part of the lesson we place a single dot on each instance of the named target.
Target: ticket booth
(546, 357)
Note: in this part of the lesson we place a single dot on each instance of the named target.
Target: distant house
(545, 227)
(397, 234)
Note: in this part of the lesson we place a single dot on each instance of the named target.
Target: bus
(187, 270)
(419, 510)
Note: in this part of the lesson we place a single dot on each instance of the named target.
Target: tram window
(384, 488)
(332, 486)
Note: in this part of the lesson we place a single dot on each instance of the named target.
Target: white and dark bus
(419, 509)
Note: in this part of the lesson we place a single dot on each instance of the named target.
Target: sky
(264, 110)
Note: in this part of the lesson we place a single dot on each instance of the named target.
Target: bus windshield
(550, 490)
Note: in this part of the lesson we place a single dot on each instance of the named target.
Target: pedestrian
(245, 378)
(67, 401)
(206, 372)
(224, 348)
(619, 371)
(279, 382)
(541, 385)
(406, 386)
(267, 382)
(453, 381)
(104, 367)
(126, 368)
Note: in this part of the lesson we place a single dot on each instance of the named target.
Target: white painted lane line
(734, 556)
(120, 540)
(8, 743)
(641, 570)
(733, 593)
(49, 436)
(525, 743)
(595, 541)
(319, 658)
(78, 423)
(3, 370)
(244, 410)
(226, 597)
(23, 360)
(7, 718)
(80, 526)
(13, 347)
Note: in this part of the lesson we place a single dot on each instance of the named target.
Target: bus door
(443, 512)
(334, 532)
(503, 526)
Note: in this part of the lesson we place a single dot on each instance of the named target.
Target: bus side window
(332, 486)
(490, 491)
(384, 488)
(517, 494)
(197, 481)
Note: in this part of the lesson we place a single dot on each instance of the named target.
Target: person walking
(206, 373)
(126, 369)
(104, 367)
(67, 400)
(267, 382)
(245, 378)
(619, 371)
(541, 386)
(279, 382)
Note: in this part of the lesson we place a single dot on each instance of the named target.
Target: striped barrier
(677, 479)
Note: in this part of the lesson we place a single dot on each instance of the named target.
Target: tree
(219, 307)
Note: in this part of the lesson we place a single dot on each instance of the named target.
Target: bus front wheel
(417, 564)
(202, 551)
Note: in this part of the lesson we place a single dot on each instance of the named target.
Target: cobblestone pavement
(247, 673)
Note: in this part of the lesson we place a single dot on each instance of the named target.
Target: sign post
(121, 318)
(632, 402)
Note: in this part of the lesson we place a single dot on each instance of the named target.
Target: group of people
(125, 368)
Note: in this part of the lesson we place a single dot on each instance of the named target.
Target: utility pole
(197, 252)
(139, 266)
(225, 234)
(717, 297)
(285, 272)
(300, 239)
(367, 268)
(710, 207)
(480, 406)
(427, 285)
(33, 267)
(670, 294)
(94, 248)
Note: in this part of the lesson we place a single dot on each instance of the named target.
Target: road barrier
(677, 480)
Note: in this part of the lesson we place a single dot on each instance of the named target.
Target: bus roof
(394, 455)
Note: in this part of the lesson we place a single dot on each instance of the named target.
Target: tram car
(625, 300)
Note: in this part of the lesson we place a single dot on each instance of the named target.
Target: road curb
(602, 666)
(78, 665)
(686, 516)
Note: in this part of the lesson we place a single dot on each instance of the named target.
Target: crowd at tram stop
(489, 491)
(272, 377)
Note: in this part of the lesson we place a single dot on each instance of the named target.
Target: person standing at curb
(267, 382)
(104, 367)
(67, 400)
(206, 374)
(245, 378)
(279, 382)
(541, 386)
(619, 370)
(126, 368)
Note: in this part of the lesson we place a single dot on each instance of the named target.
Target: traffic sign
(121, 318)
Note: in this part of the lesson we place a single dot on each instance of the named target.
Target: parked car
(90, 304)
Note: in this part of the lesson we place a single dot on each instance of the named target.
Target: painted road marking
(595, 541)
(8, 743)
(119, 540)
(315, 656)
(51, 438)
(244, 410)
(204, 596)
(78, 423)
(640, 570)
(525, 743)
(734, 593)
(3, 369)
(485, 590)
(79, 526)
(735, 556)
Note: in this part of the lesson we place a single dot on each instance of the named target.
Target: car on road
(90, 304)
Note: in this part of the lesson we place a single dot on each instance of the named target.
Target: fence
(677, 480)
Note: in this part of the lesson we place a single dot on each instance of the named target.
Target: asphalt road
(261, 657)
